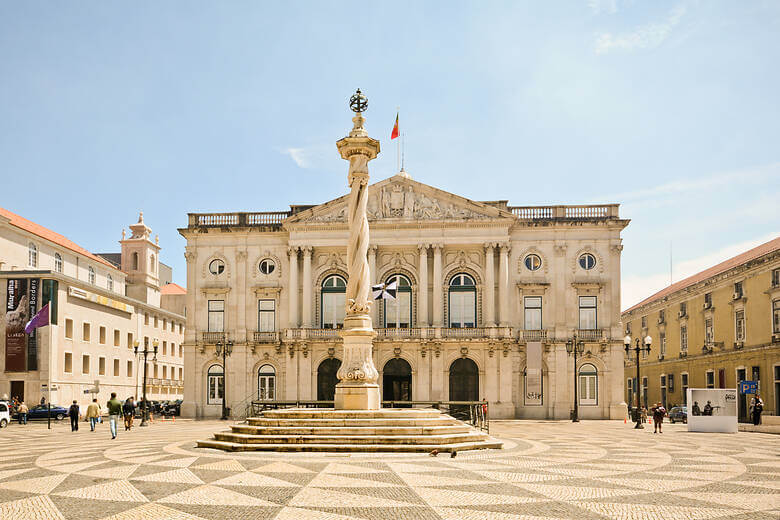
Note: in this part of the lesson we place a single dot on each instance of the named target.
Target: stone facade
(98, 312)
(712, 330)
(449, 250)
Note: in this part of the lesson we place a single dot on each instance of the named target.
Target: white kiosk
(712, 410)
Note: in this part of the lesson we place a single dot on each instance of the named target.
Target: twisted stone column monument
(357, 388)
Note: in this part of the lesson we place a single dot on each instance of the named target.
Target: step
(329, 413)
(349, 430)
(303, 422)
(350, 439)
(351, 448)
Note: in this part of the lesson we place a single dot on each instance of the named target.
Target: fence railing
(560, 211)
(212, 337)
(265, 337)
(393, 333)
(590, 334)
(468, 332)
(323, 333)
(263, 218)
(532, 335)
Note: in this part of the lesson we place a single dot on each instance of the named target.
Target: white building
(488, 296)
(99, 311)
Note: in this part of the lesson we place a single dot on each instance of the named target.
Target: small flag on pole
(395, 129)
(385, 291)
(39, 320)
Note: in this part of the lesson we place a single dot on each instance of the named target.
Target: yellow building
(712, 330)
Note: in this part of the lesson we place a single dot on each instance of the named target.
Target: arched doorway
(397, 380)
(326, 379)
(464, 380)
(266, 383)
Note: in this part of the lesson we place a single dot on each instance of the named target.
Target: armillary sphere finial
(358, 102)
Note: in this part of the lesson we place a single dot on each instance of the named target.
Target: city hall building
(488, 296)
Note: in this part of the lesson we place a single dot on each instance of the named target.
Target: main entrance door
(327, 379)
(397, 380)
(464, 385)
(17, 390)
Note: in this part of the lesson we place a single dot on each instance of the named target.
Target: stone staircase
(328, 430)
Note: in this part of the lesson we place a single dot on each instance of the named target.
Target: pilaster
(307, 300)
(422, 291)
(292, 296)
(438, 307)
(490, 287)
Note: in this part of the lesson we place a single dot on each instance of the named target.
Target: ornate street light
(146, 351)
(637, 349)
(575, 346)
(224, 350)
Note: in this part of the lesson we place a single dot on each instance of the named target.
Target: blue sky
(669, 108)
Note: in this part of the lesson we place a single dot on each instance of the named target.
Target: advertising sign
(712, 410)
(533, 374)
(32, 338)
(17, 314)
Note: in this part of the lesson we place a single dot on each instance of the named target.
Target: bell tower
(141, 263)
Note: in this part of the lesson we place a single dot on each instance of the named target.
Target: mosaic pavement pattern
(550, 470)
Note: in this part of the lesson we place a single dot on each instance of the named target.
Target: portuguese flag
(395, 129)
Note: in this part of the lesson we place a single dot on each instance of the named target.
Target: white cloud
(603, 6)
(648, 36)
(298, 155)
(636, 288)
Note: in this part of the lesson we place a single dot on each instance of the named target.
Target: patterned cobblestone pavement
(549, 470)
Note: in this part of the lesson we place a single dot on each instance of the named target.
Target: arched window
(91, 275)
(266, 383)
(109, 282)
(589, 389)
(215, 384)
(463, 301)
(32, 255)
(333, 302)
(398, 312)
(135, 261)
(57, 262)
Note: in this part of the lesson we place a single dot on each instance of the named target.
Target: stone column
(422, 290)
(306, 298)
(357, 388)
(438, 308)
(189, 405)
(241, 323)
(372, 270)
(503, 286)
(490, 287)
(292, 318)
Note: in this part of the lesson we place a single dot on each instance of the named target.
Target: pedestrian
(22, 411)
(757, 405)
(644, 415)
(73, 413)
(128, 409)
(93, 414)
(114, 412)
(43, 401)
(658, 417)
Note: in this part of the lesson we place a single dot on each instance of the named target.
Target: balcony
(265, 337)
(591, 334)
(324, 333)
(399, 333)
(532, 335)
(241, 219)
(471, 332)
(211, 338)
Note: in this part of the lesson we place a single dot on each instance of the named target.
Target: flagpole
(399, 142)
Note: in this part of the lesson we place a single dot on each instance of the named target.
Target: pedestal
(357, 388)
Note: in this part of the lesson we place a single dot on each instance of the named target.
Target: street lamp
(224, 349)
(575, 346)
(145, 352)
(637, 349)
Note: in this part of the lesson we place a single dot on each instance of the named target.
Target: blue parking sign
(748, 387)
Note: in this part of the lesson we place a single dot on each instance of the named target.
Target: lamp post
(637, 349)
(146, 351)
(575, 346)
(224, 349)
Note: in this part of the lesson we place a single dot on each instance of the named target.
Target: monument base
(357, 397)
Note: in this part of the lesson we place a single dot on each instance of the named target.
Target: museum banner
(17, 314)
(32, 337)
(712, 410)
(533, 373)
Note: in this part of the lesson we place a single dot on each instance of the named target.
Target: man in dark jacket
(73, 413)
(128, 410)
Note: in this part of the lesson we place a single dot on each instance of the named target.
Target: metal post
(145, 410)
(639, 391)
(224, 382)
(576, 417)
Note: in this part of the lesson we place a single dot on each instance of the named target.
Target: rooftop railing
(565, 212)
(240, 219)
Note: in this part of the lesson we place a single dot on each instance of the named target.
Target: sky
(670, 108)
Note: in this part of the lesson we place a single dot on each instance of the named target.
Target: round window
(217, 266)
(587, 261)
(267, 266)
(533, 262)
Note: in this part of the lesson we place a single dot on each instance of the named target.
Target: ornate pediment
(404, 199)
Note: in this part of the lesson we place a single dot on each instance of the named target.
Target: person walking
(23, 411)
(658, 417)
(114, 412)
(93, 414)
(73, 413)
(128, 409)
(757, 405)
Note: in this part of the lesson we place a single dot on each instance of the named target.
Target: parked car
(41, 412)
(5, 414)
(173, 407)
(678, 414)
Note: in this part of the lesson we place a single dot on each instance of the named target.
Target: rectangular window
(181, 327)
(708, 332)
(116, 338)
(663, 390)
(216, 315)
(165, 348)
(101, 366)
(533, 312)
(165, 372)
(739, 325)
(588, 314)
(85, 332)
(683, 338)
(755, 374)
(216, 389)
(155, 370)
(129, 369)
(644, 322)
(776, 317)
(165, 323)
(85, 364)
(181, 351)
(266, 315)
(684, 383)
(69, 329)
(155, 322)
(180, 374)
(683, 308)
(708, 300)
(775, 277)
(662, 343)
(644, 391)
(68, 362)
(588, 389)
(670, 382)
(738, 290)
(130, 340)
(710, 378)
(116, 368)
(462, 309)
(102, 335)
(661, 316)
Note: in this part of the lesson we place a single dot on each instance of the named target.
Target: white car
(5, 415)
